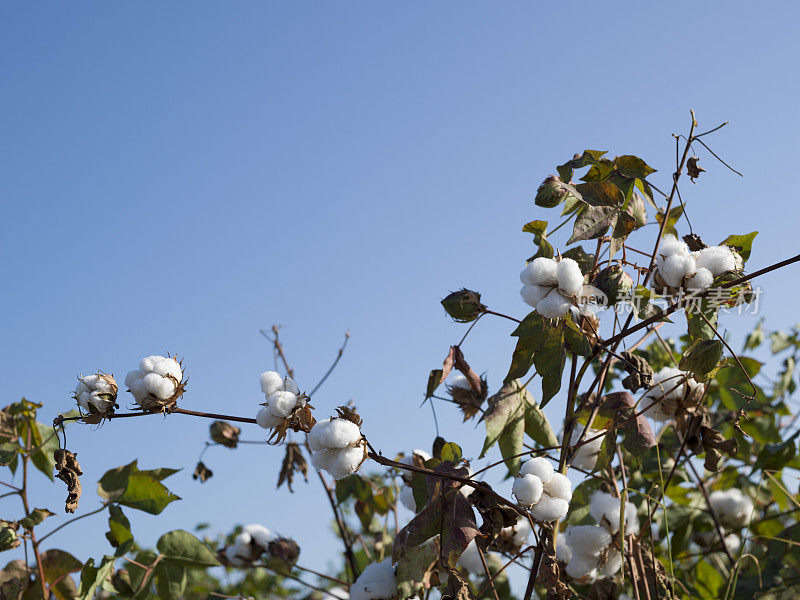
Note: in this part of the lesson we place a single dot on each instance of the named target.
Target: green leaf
(58, 563)
(575, 338)
(674, 215)
(743, 244)
(182, 548)
(601, 193)
(537, 427)
(589, 157)
(142, 490)
(625, 224)
(698, 328)
(434, 379)
(539, 231)
(532, 333)
(451, 452)
(119, 534)
(709, 582)
(93, 577)
(170, 580)
(702, 358)
(633, 166)
(36, 516)
(593, 222)
(505, 424)
(549, 361)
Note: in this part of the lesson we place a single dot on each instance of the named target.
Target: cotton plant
(282, 398)
(157, 384)
(376, 582)
(337, 447)
(678, 267)
(551, 286)
(543, 491)
(672, 392)
(249, 545)
(96, 394)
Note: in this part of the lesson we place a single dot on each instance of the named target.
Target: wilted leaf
(693, 170)
(35, 517)
(640, 373)
(505, 424)
(415, 569)
(69, 471)
(293, 462)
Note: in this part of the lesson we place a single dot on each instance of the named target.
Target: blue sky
(178, 175)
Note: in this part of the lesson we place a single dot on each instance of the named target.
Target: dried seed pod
(224, 433)
(68, 471)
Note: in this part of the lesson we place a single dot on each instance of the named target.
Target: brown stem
(23, 494)
(488, 574)
(348, 548)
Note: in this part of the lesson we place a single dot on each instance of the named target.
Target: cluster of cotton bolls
(587, 550)
(282, 395)
(545, 492)
(673, 390)
(96, 393)
(676, 266)
(337, 447)
(586, 454)
(376, 582)
(551, 285)
(249, 545)
(157, 383)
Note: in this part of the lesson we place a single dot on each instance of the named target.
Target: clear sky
(177, 175)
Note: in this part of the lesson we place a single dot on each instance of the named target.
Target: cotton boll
(132, 377)
(271, 382)
(168, 367)
(290, 385)
(733, 543)
(83, 402)
(522, 531)
(409, 460)
(527, 489)
(549, 509)
(570, 278)
(147, 363)
(588, 539)
(563, 549)
(99, 403)
(345, 462)
(582, 568)
(266, 420)
(732, 507)
(559, 486)
(542, 271)
(612, 564)
(232, 554)
(259, 535)
(321, 459)
(586, 455)
(376, 582)
(406, 497)
(470, 559)
(538, 466)
(333, 433)
(533, 294)
(281, 404)
(166, 388)
(701, 280)
(553, 306)
(605, 510)
(671, 245)
(717, 259)
(673, 270)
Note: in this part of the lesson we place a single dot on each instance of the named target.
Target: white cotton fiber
(732, 507)
(290, 385)
(266, 420)
(563, 549)
(673, 270)
(281, 404)
(586, 455)
(533, 294)
(336, 447)
(605, 510)
(553, 306)
(406, 497)
(570, 278)
(345, 462)
(321, 459)
(671, 245)
(559, 486)
(457, 380)
(582, 568)
(717, 259)
(260, 535)
(271, 382)
(527, 489)
(538, 466)
(376, 582)
(588, 539)
(232, 553)
(612, 564)
(542, 271)
(519, 532)
(701, 280)
(334, 433)
(549, 509)
(470, 559)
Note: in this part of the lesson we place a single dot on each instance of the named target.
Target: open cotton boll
(259, 535)
(586, 455)
(717, 259)
(533, 294)
(541, 271)
(671, 245)
(732, 507)
(538, 466)
(588, 539)
(345, 462)
(612, 564)
(281, 404)
(605, 510)
(321, 459)
(582, 568)
(553, 306)
(336, 593)
(333, 433)
(406, 497)
(563, 549)
(266, 420)
(271, 382)
(376, 582)
(470, 559)
(167, 367)
(701, 280)
(673, 269)
(290, 385)
(570, 278)
(527, 489)
(520, 531)
(232, 553)
(559, 486)
(549, 509)
(733, 543)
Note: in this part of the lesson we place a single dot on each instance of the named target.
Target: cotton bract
(376, 582)
(546, 493)
(672, 391)
(732, 507)
(157, 384)
(96, 394)
(550, 286)
(282, 397)
(337, 447)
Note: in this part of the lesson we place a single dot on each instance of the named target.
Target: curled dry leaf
(202, 472)
(224, 433)
(68, 471)
(640, 373)
(301, 419)
(693, 170)
(468, 400)
(293, 462)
